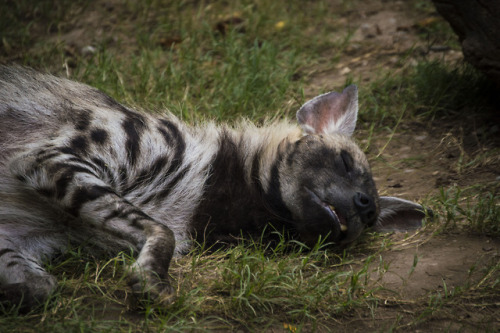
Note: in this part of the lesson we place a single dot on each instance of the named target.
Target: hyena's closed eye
(75, 163)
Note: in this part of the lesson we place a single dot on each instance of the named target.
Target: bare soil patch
(442, 262)
(384, 35)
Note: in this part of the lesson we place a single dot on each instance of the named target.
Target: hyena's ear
(330, 113)
(400, 215)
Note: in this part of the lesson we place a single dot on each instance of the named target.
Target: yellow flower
(280, 25)
(290, 328)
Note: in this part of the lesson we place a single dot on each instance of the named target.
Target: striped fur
(78, 167)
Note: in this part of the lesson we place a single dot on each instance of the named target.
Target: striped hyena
(78, 167)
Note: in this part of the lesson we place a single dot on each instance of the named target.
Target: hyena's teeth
(343, 227)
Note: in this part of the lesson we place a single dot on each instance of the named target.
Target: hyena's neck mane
(242, 194)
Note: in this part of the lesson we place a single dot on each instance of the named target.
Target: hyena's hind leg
(23, 281)
(76, 187)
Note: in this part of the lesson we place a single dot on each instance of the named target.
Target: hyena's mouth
(336, 216)
(331, 211)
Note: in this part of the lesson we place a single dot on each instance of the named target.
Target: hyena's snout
(366, 208)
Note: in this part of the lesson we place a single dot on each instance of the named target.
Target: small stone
(345, 70)
(88, 50)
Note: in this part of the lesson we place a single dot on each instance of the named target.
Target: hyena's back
(35, 107)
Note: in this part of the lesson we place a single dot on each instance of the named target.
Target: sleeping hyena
(78, 167)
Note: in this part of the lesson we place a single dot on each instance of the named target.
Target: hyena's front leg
(76, 187)
(108, 211)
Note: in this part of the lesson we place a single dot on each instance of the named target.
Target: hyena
(77, 167)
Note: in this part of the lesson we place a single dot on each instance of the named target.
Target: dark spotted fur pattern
(78, 167)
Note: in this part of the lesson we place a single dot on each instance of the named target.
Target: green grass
(477, 205)
(231, 81)
(177, 55)
(236, 287)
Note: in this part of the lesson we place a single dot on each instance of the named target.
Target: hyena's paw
(27, 295)
(148, 287)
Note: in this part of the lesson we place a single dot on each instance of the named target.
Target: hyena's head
(326, 181)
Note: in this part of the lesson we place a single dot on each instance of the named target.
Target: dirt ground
(388, 30)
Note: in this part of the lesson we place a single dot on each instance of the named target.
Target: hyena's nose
(365, 207)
